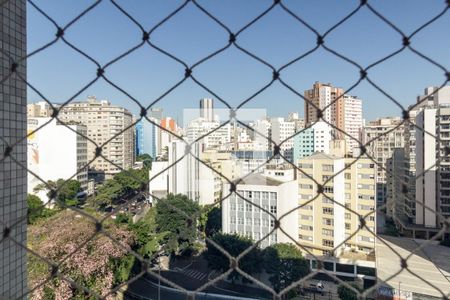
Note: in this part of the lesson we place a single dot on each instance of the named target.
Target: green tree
(147, 240)
(234, 245)
(346, 293)
(107, 194)
(34, 208)
(180, 231)
(286, 265)
(67, 190)
(213, 221)
(146, 159)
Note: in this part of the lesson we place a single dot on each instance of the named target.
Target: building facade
(13, 124)
(282, 131)
(56, 152)
(108, 124)
(383, 136)
(325, 223)
(316, 138)
(207, 109)
(148, 138)
(274, 196)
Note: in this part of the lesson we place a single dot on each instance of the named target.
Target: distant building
(148, 138)
(274, 196)
(316, 138)
(283, 132)
(262, 134)
(105, 123)
(383, 136)
(207, 109)
(39, 109)
(341, 110)
(212, 134)
(156, 113)
(56, 152)
(395, 182)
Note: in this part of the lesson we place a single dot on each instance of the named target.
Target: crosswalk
(194, 274)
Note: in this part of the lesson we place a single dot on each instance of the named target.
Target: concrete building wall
(55, 152)
(13, 124)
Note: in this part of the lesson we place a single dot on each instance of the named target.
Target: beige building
(105, 123)
(39, 109)
(324, 224)
(383, 136)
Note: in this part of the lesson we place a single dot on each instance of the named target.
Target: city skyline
(244, 76)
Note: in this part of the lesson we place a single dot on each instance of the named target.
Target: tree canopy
(286, 265)
(213, 221)
(67, 191)
(146, 159)
(346, 293)
(234, 245)
(181, 231)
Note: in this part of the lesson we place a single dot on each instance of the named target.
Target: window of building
(272, 222)
(248, 221)
(265, 222)
(232, 206)
(257, 221)
(348, 226)
(248, 207)
(327, 243)
(327, 232)
(327, 211)
(273, 209)
(240, 206)
(327, 221)
(348, 216)
(306, 217)
(240, 221)
(327, 168)
(233, 220)
(347, 175)
(328, 189)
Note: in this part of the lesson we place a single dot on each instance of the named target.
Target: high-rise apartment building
(325, 224)
(108, 124)
(207, 109)
(384, 135)
(428, 112)
(56, 152)
(320, 97)
(283, 131)
(340, 110)
(316, 138)
(13, 178)
(212, 134)
(433, 167)
(263, 134)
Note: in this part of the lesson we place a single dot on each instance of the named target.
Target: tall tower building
(13, 124)
(207, 109)
(342, 111)
(320, 96)
(108, 124)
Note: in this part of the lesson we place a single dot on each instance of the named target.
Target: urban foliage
(122, 186)
(67, 191)
(286, 265)
(213, 221)
(181, 234)
(234, 245)
(346, 293)
(89, 259)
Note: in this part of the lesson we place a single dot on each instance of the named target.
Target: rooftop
(257, 179)
(432, 262)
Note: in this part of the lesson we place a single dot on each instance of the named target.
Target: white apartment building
(282, 130)
(158, 180)
(352, 121)
(105, 124)
(264, 132)
(213, 138)
(384, 135)
(274, 196)
(191, 177)
(56, 152)
(433, 163)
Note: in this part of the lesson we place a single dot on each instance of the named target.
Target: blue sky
(105, 33)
